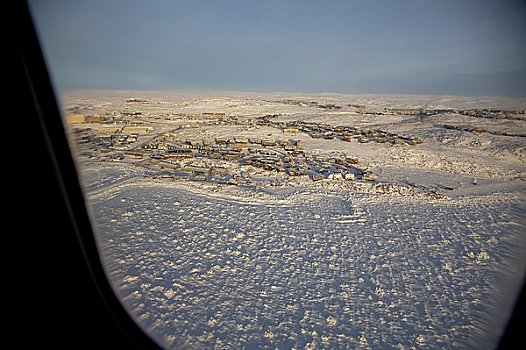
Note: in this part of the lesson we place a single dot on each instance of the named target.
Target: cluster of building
(223, 148)
(494, 114)
(119, 129)
(223, 159)
(76, 118)
(280, 156)
(468, 128)
(310, 104)
(206, 118)
(473, 112)
(116, 137)
(315, 167)
(107, 131)
(418, 111)
(344, 133)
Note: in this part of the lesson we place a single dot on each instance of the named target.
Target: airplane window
(301, 174)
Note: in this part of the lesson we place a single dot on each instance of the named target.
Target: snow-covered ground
(320, 265)
(309, 269)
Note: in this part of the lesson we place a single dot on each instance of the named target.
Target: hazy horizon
(291, 93)
(457, 48)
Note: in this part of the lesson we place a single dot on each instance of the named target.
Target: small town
(229, 161)
(171, 152)
(224, 160)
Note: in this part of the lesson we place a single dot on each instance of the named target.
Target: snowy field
(309, 270)
(321, 265)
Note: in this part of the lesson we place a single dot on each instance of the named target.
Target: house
(93, 119)
(316, 177)
(109, 130)
(239, 139)
(167, 165)
(287, 145)
(149, 146)
(76, 118)
(219, 172)
(200, 177)
(132, 138)
(221, 141)
(363, 139)
(368, 177)
(136, 100)
(268, 143)
(297, 153)
(236, 147)
(192, 169)
(335, 176)
(403, 111)
(232, 181)
(350, 160)
(298, 144)
(179, 153)
(415, 140)
(134, 155)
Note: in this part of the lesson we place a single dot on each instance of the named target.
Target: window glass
(300, 174)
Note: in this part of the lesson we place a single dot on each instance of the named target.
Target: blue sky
(456, 47)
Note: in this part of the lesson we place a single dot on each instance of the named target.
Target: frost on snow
(291, 274)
